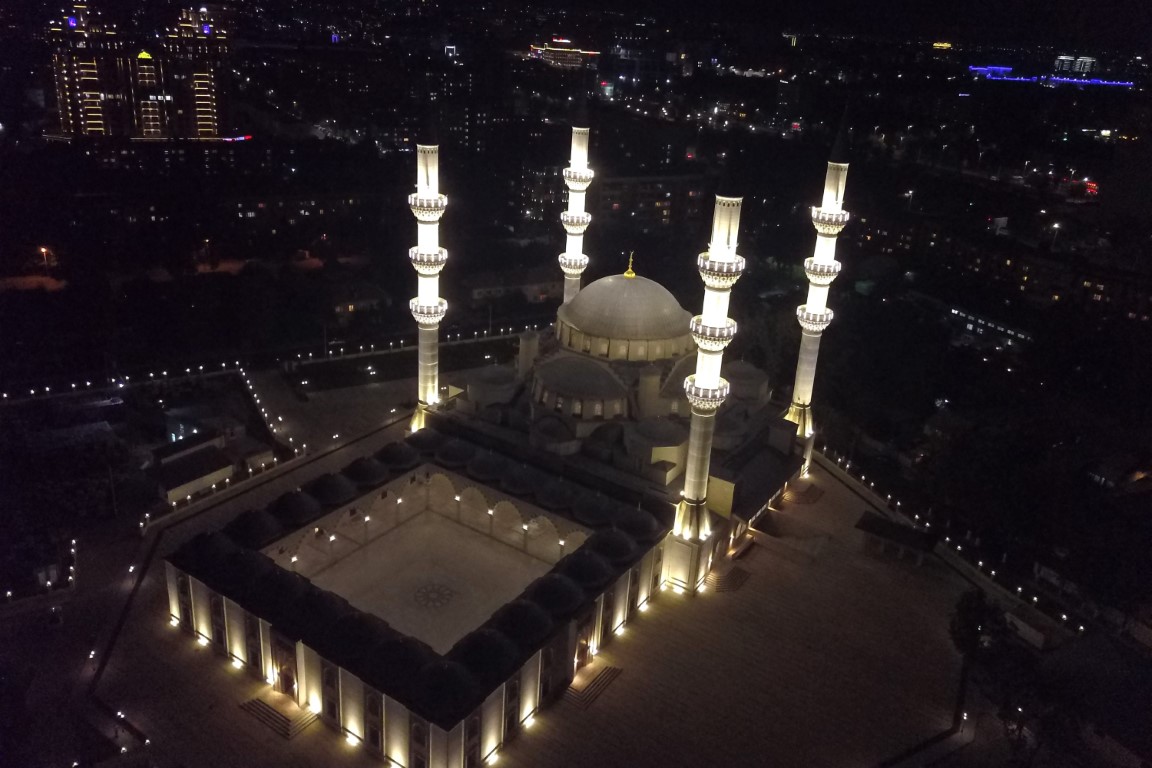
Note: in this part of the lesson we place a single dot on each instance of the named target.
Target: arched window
(419, 735)
(473, 728)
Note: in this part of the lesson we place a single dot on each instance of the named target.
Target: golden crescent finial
(628, 272)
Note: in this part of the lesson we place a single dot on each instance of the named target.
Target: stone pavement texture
(432, 578)
(827, 658)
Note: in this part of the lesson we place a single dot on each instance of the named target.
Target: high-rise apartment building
(108, 84)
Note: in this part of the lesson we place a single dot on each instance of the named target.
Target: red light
(603, 82)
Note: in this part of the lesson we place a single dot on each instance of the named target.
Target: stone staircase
(582, 693)
(279, 716)
(728, 581)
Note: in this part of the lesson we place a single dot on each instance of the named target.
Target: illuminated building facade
(108, 85)
(563, 54)
(814, 316)
(195, 48)
(90, 69)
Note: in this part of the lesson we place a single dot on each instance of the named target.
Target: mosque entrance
(284, 662)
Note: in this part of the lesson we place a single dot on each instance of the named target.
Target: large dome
(623, 307)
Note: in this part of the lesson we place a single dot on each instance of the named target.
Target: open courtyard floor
(823, 656)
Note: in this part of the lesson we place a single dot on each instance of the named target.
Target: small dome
(616, 546)
(204, 553)
(573, 376)
(487, 654)
(638, 524)
(524, 623)
(592, 509)
(521, 481)
(358, 630)
(455, 453)
(486, 467)
(587, 569)
(255, 529)
(425, 440)
(366, 472)
(557, 495)
(332, 490)
(295, 509)
(557, 594)
(240, 570)
(619, 307)
(393, 664)
(398, 456)
(446, 689)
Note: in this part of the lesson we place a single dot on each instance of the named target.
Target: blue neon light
(71, 21)
(207, 29)
(1001, 74)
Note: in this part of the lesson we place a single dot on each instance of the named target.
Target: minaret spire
(428, 258)
(577, 177)
(720, 267)
(814, 315)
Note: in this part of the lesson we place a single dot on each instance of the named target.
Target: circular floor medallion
(433, 595)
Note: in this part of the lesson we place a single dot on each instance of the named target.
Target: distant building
(563, 54)
(108, 84)
(1079, 64)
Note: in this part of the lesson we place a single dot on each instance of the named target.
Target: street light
(1055, 232)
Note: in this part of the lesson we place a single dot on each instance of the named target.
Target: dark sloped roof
(392, 666)
(523, 622)
(455, 453)
(447, 691)
(255, 529)
(398, 456)
(592, 509)
(332, 490)
(425, 440)
(522, 480)
(201, 462)
(488, 654)
(638, 524)
(587, 569)
(616, 546)
(295, 509)
(487, 466)
(557, 594)
(557, 495)
(366, 472)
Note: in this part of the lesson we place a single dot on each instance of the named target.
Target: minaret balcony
(720, 274)
(712, 338)
(813, 322)
(705, 399)
(573, 264)
(428, 315)
(829, 222)
(578, 179)
(821, 272)
(575, 222)
(427, 208)
(428, 264)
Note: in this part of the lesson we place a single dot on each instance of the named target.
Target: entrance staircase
(279, 713)
(589, 683)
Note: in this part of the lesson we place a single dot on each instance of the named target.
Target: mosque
(427, 601)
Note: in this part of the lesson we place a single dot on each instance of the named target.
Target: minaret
(822, 268)
(577, 177)
(428, 258)
(712, 330)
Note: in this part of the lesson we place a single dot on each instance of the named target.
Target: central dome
(624, 307)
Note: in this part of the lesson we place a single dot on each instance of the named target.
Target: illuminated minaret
(577, 177)
(428, 258)
(720, 267)
(814, 315)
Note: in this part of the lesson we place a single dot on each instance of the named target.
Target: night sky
(1073, 23)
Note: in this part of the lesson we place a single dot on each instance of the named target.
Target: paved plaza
(432, 578)
(823, 657)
